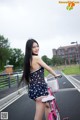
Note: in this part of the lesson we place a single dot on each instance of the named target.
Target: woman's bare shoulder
(36, 57)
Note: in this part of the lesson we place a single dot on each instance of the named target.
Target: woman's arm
(49, 69)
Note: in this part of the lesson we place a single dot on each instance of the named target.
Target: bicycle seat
(48, 98)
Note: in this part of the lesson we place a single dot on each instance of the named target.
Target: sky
(46, 21)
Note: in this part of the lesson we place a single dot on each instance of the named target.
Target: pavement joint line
(13, 96)
(73, 81)
(66, 89)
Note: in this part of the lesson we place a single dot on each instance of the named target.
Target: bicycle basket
(53, 83)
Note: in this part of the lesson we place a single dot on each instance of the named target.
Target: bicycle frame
(53, 108)
(52, 93)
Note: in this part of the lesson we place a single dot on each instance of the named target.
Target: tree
(4, 51)
(16, 58)
(46, 60)
(56, 60)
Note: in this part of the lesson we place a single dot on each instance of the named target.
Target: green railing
(9, 80)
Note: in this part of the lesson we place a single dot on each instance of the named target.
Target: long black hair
(27, 60)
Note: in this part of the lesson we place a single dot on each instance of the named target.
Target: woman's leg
(47, 110)
(40, 108)
(47, 107)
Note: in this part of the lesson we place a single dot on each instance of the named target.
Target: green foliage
(4, 51)
(16, 58)
(46, 60)
(9, 55)
(56, 60)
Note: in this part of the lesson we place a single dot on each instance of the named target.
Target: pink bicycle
(54, 110)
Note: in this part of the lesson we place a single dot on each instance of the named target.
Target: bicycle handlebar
(58, 76)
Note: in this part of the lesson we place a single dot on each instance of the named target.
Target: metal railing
(9, 80)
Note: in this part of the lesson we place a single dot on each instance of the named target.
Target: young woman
(33, 74)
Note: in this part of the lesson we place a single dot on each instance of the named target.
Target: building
(68, 53)
(8, 69)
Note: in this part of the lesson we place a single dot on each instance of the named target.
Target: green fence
(9, 80)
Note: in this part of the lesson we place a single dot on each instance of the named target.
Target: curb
(12, 96)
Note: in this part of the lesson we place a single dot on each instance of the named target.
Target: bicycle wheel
(58, 115)
(57, 111)
(51, 116)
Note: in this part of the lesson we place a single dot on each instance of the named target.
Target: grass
(68, 69)
(73, 69)
(45, 72)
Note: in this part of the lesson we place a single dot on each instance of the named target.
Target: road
(68, 99)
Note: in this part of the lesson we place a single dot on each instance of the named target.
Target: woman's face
(35, 48)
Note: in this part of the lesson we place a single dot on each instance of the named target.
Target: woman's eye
(35, 46)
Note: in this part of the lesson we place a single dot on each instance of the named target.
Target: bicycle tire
(57, 112)
(58, 115)
(52, 117)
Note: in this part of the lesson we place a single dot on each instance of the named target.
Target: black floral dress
(37, 85)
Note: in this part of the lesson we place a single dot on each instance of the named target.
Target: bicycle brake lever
(58, 76)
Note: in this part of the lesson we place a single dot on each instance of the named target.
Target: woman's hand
(58, 76)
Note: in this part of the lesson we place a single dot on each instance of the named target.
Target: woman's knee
(47, 105)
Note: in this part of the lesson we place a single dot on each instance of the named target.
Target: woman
(33, 74)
